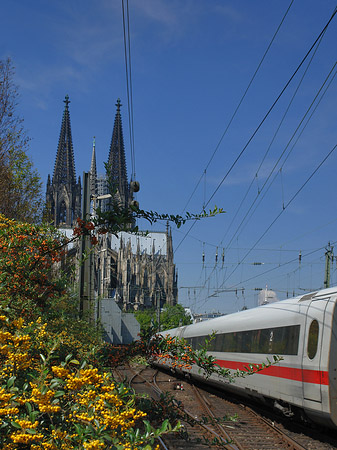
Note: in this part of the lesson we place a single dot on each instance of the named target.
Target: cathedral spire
(116, 170)
(63, 195)
(64, 170)
(93, 170)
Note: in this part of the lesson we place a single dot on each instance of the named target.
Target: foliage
(20, 184)
(119, 219)
(147, 320)
(47, 403)
(114, 355)
(28, 258)
(183, 356)
(180, 356)
(168, 406)
(79, 335)
(171, 316)
(33, 282)
(54, 393)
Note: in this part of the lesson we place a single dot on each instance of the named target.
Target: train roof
(282, 313)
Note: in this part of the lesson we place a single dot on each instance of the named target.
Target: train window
(275, 341)
(313, 339)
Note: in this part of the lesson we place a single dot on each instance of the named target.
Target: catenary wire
(290, 151)
(282, 211)
(264, 249)
(131, 97)
(239, 285)
(284, 264)
(261, 122)
(317, 104)
(236, 233)
(277, 217)
(127, 57)
(271, 142)
(239, 104)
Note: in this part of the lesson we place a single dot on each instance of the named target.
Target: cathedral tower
(116, 168)
(63, 196)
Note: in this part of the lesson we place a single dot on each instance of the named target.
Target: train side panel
(333, 366)
(315, 357)
(307, 375)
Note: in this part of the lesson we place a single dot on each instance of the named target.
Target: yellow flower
(93, 445)
(59, 371)
(27, 423)
(25, 438)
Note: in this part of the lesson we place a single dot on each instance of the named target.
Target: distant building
(137, 272)
(188, 313)
(267, 296)
(206, 316)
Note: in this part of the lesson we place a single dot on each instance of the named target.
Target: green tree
(20, 184)
(146, 319)
(170, 317)
(173, 316)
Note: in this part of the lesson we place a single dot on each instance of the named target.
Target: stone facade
(136, 276)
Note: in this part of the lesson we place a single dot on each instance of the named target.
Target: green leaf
(31, 431)
(84, 363)
(164, 426)
(10, 382)
(74, 361)
(55, 382)
(68, 357)
(147, 426)
(58, 394)
(28, 407)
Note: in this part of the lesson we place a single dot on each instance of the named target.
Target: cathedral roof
(144, 244)
(64, 169)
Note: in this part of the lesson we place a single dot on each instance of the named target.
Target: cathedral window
(63, 212)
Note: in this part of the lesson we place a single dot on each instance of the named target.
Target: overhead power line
(281, 212)
(240, 102)
(262, 121)
(128, 72)
(294, 144)
(330, 75)
(271, 143)
(239, 287)
(282, 265)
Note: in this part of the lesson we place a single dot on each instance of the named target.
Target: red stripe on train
(291, 373)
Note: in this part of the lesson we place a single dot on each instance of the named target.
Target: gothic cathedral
(137, 272)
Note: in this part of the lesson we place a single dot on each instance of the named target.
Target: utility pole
(85, 288)
(328, 261)
(158, 309)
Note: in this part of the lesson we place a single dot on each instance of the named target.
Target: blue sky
(191, 63)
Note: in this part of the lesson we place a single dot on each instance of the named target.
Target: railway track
(200, 435)
(250, 431)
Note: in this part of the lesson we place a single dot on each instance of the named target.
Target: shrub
(49, 404)
(28, 279)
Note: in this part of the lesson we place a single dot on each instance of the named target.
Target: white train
(303, 330)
